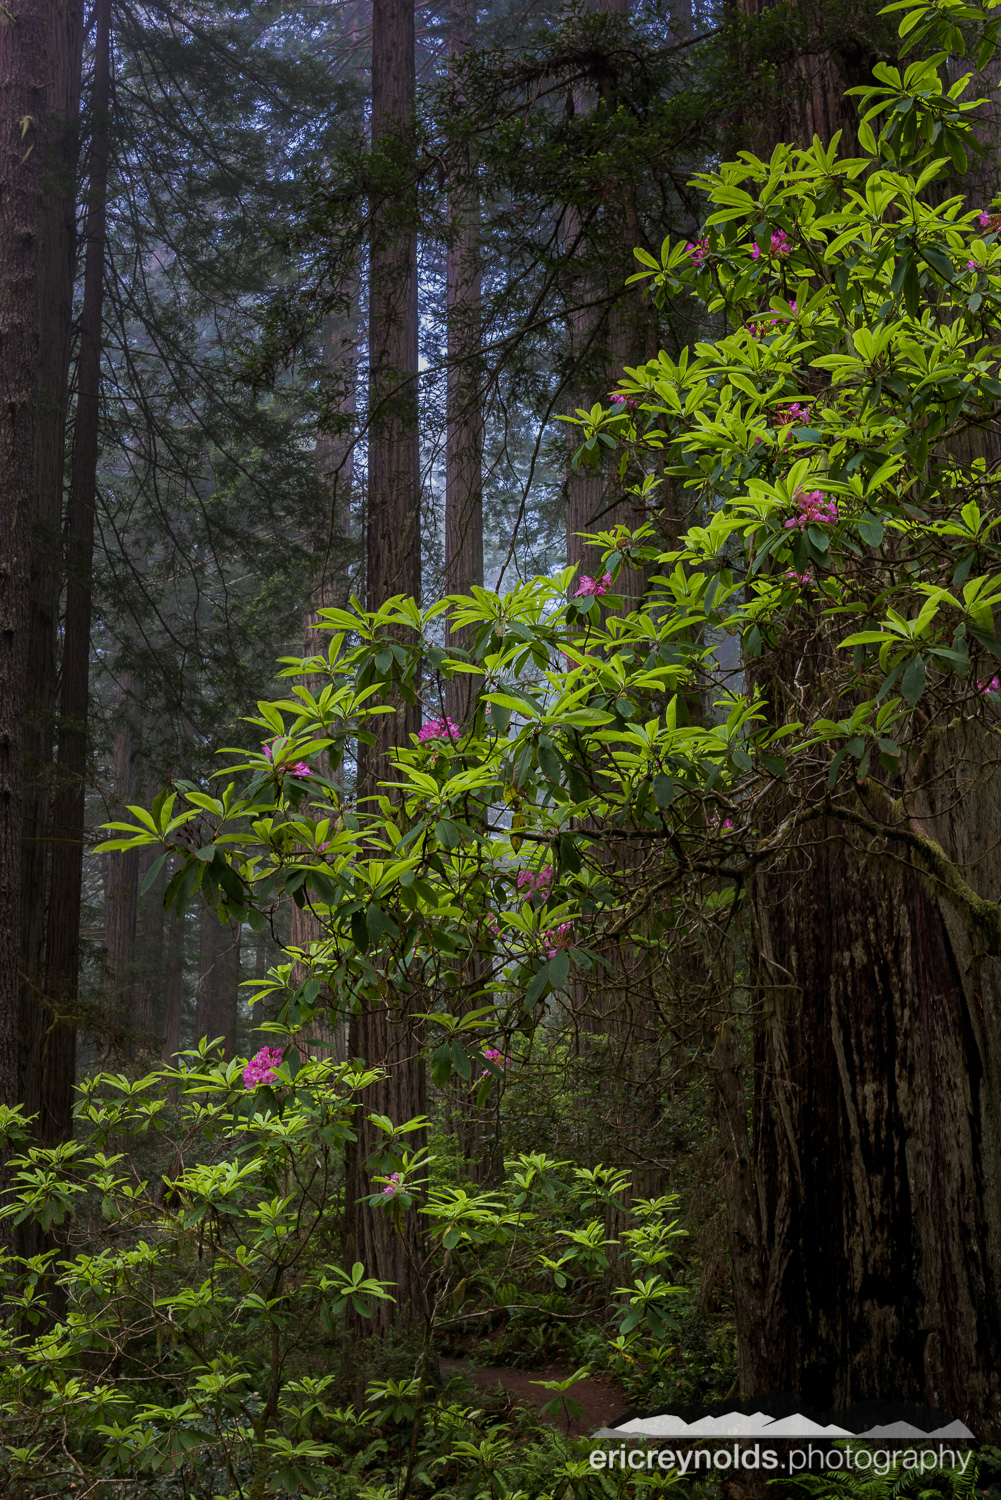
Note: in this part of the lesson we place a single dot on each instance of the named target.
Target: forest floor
(602, 1404)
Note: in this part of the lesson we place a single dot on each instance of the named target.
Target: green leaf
(539, 986)
(559, 969)
(441, 1065)
(150, 877)
(568, 853)
(664, 791)
(447, 833)
(870, 529)
(913, 681)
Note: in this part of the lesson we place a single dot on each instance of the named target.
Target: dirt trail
(602, 1404)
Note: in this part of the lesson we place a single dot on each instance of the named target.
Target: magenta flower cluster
(535, 884)
(629, 403)
(813, 508)
(698, 252)
(557, 938)
(593, 587)
(798, 413)
(989, 221)
(781, 245)
(803, 579)
(261, 1067)
(989, 687)
(394, 1185)
(300, 768)
(439, 729)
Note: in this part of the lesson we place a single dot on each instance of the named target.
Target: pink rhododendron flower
(971, 265)
(989, 687)
(301, 769)
(394, 1185)
(557, 938)
(260, 1068)
(629, 403)
(439, 729)
(781, 246)
(797, 414)
(698, 251)
(593, 587)
(804, 580)
(813, 508)
(535, 884)
(492, 1054)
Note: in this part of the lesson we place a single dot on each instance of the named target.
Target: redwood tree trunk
(122, 889)
(332, 590)
(24, 68)
(68, 817)
(464, 411)
(56, 272)
(384, 1034)
(149, 987)
(865, 1203)
(173, 990)
(218, 982)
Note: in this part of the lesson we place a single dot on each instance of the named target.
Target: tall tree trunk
(24, 68)
(218, 982)
(394, 535)
(863, 1191)
(149, 988)
(173, 989)
(69, 809)
(56, 274)
(122, 891)
(804, 84)
(865, 1201)
(601, 344)
(464, 409)
(385, 1033)
(335, 471)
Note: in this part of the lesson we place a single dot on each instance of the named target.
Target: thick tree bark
(69, 808)
(24, 68)
(56, 272)
(464, 409)
(394, 539)
(865, 1203)
(383, 1035)
(806, 76)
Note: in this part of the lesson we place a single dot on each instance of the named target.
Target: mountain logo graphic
(780, 1416)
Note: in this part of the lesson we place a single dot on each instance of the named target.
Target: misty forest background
(314, 285)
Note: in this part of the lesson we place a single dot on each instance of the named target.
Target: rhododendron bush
(614, 785)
